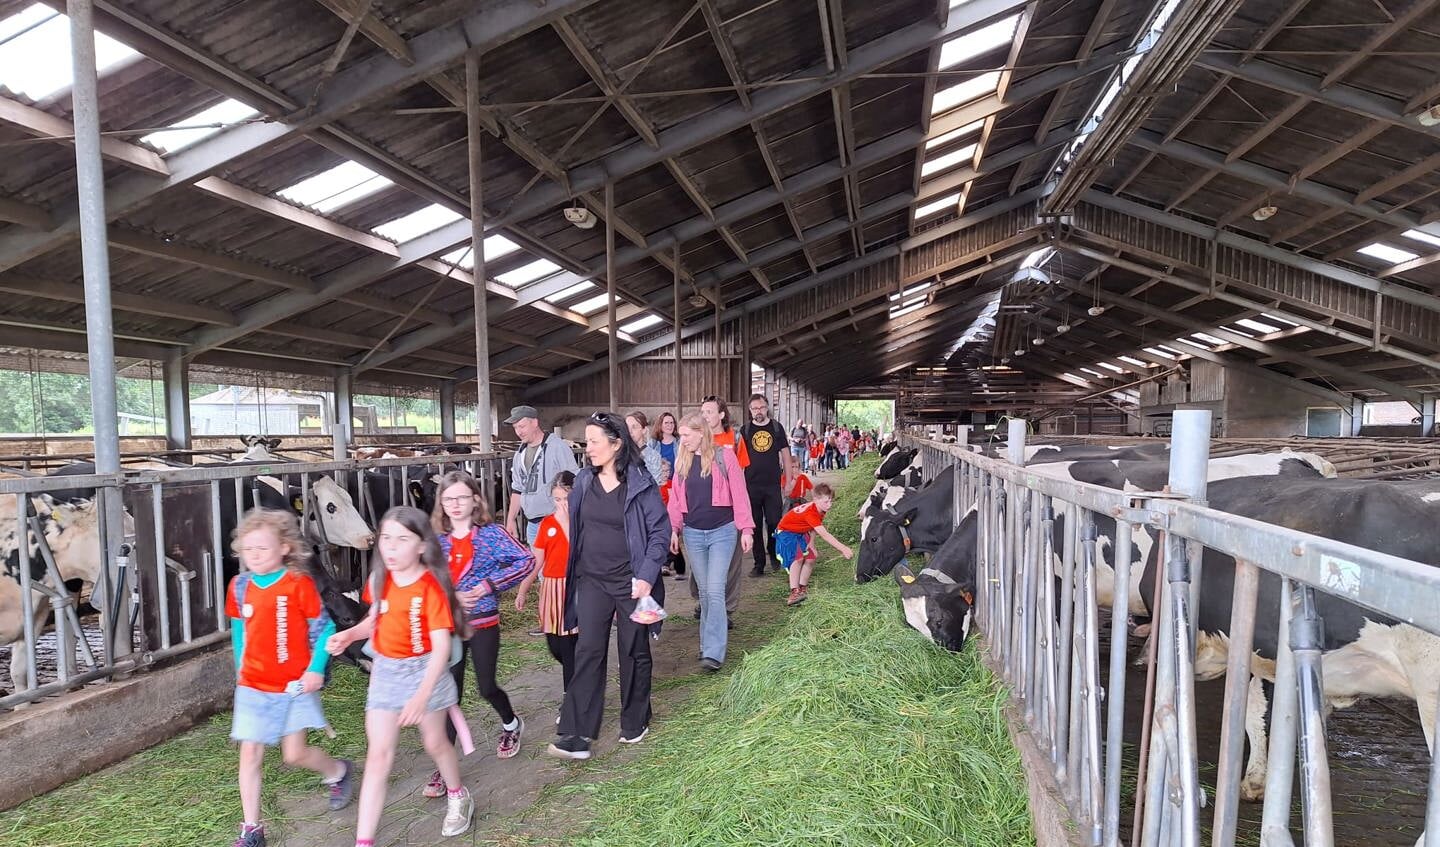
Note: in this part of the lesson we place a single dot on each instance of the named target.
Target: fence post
(1015, 442)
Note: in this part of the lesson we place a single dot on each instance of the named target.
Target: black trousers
(768, 506)
(562, 647)
(484, 650)
(596, 605)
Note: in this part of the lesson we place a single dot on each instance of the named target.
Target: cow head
(340, 521)
(885, 545)
(935, 606)
(894, 463)
(258, 447)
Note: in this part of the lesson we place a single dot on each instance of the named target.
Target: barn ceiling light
(1038, 341)
(1019, 351)
(1095, 311)
(1264, 213)
(1429, 117)
(580, 216)
(1061, 329)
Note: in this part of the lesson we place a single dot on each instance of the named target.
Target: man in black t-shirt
(768, 476)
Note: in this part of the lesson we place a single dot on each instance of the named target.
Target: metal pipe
(1306, 642)
(1069, 545)
(1189, 475)
(1115, 691)
(1028, 517)
(679, 350)
(612, 329)
(1015, 442)
(1091, 796)
(1237, 695)
(476, 133)
(1185, 762)
(1432, 805)
(1280, 768)
(1054, 659)
(95, 263)
(177, 401)
(121, 666)
(162, 579)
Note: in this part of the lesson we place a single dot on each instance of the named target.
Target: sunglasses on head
(610, 422)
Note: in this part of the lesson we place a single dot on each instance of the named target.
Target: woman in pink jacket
(708, 504)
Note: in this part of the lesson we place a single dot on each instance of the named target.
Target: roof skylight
(973, 43)
(963, 92)
(329, 190)
(906, 309)
(529, 273)
(1109, 367)
(1156, 351)
(573, 291)
(495, 247)
(417, 223)
(949, 201)
(1208, 338)
(1038, 258)
(200, 125)
(1425, 237)
(947, 160)
(592, 305)
(641, 323)
(1386, 253)
(1131, 360)
(1093, 372)
(35, 52)
(1262, 328)
(954, 134)
(911, 291)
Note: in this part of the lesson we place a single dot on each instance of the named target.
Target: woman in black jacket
(619, 538)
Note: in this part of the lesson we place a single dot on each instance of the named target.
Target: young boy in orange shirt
(794, 546)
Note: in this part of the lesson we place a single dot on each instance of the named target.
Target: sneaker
(636, 738)
(435, 787)
(509, 743)
(729, 622)
(804, 592)
(680, 577)
(697, 611)
(709, 664)
(458, 812)
(757, 572)
(570, 747)
(250, 837)
(795, 598)
(342, 790)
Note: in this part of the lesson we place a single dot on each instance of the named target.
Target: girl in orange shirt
(552, 556)
(277, 625)
(414, 614)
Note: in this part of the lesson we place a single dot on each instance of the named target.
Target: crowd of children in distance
(434, 599)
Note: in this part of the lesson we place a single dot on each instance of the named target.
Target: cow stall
(1057, 568)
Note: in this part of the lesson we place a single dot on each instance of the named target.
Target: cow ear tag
(907, 578)
(298, 504)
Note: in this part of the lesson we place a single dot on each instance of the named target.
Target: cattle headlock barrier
(1039, 550)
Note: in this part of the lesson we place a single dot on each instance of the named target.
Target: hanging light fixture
(1095, 310)
(1264, 213)
(1429, 117)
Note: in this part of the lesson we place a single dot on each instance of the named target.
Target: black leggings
(562, 647)
(484, 650)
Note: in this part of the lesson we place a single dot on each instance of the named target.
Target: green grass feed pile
(848, 728)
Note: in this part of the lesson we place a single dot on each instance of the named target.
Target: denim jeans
(708, 552)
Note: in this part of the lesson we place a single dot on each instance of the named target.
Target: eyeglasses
(456, 501)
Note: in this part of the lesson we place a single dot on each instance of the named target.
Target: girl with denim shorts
(414, 615)
(277, 623)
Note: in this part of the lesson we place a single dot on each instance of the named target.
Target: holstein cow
(71, 531)
(899, 473)
(922, 518)
(1365, 654)
(939, 601)
(258, 449)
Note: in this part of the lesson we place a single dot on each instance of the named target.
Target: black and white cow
(939, 601)
(1366, 655)
(901, 472)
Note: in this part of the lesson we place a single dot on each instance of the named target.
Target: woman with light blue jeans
(710, 510)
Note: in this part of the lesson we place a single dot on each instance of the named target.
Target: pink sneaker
(435, 787)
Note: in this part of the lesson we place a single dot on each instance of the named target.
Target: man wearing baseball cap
(539, 458)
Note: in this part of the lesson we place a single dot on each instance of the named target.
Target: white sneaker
(458, 811)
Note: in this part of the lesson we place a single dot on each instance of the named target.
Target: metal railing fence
(1038, 558)
(155, 606)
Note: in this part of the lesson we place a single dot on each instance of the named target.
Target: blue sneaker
(342, 790)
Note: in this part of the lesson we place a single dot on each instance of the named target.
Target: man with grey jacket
(539, 458)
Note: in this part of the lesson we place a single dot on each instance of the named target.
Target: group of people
(688, 495)
(831, 448)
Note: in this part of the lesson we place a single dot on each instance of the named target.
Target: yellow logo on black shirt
(762, 441)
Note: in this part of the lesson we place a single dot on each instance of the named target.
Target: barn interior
(1083, 212)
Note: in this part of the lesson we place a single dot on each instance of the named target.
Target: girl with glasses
(484, 560)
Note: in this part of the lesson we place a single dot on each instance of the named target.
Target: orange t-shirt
(462, 554)
(802, 518)
(728, 439)
(801, 487)
(407, 615)
(277, 630)
(551, 541)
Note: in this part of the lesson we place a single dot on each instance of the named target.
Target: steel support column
(721, 387)
(678, 327)
(177, 401)
(447, 410)
(747, 378)
(344, 414)
(475, 132)
(1427, 415)
(1357, 415)
(612, 334)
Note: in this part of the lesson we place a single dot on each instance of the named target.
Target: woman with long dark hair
(620, 537)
